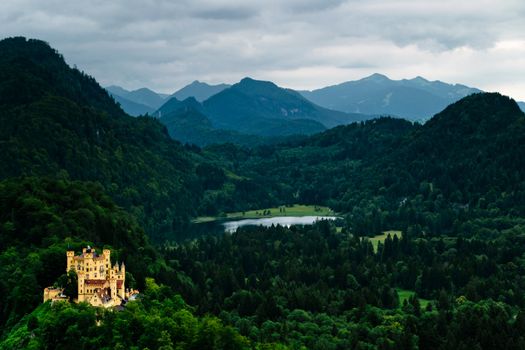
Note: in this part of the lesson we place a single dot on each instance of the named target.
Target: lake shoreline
(296, 210)
(231, 226)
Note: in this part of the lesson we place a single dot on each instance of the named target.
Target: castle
(99, 284)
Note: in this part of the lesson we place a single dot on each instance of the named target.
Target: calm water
(231, 226)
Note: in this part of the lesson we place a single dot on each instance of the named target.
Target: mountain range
(412, 99)
(199, 90)
(249, 112)
(145, 101)
(454, 187)
(137, 102)
(261, 108)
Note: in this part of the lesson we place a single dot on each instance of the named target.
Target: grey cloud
(226, 13)
(164, 44)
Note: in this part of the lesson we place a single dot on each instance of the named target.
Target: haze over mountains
(412, 99)
(256, 107)
(250, 107)
(199, 90)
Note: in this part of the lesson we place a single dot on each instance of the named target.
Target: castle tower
(81, 288)
(113, 287)
(122, 289)
(107, 256)
(88, 262)
(70, 256)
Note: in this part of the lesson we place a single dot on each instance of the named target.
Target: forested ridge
(317, 288)
(465, 163)
(76, 170)
(58, 122)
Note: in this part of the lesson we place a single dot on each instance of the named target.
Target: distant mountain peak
(246, 79)
(198, 83)
(250, 83)
(420, 79)
(414, 99)
(199, 90)
(145, 90)
(376, 77)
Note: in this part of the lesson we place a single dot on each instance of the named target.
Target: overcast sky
(302, 44)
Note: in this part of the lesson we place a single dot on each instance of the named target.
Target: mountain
(58, 122)
(141, 97)
(132, 108)
(199, 90)
(522, 106)
(186, 122)
(469, 155)
(146, 97)
(75, 169)
(413, 99)
(261, 107)
(446, 197)
(117, 90)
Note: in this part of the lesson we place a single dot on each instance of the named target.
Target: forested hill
(40, 219)
(30, 70)
(473, 148)
(57, 121)
(467, 158)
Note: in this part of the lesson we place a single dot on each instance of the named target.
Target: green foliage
(454, 187)
(463, 166)
(146, 324)
(40, 219)
(187, 123)
(59, 122)
(315, 288)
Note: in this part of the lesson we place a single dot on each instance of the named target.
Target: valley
(426, 251)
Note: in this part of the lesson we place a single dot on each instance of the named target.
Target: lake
(231, 226)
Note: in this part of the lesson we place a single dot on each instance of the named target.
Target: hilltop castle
(99, 284)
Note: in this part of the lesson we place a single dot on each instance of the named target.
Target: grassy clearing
(203, 219)
(405, 294)
(295, 210)
(381, 238)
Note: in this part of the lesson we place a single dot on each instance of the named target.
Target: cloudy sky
(302, 44)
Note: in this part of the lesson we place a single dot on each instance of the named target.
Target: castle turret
(81, 288)
(122, 277)
(107, 258)
(113, 287)
(70, 257)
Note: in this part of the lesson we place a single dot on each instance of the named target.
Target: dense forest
(58, 122)
(316, 288)
(158, 321)
(76, 170)
(464, 164)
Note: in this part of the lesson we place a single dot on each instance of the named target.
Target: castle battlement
(99, 283)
